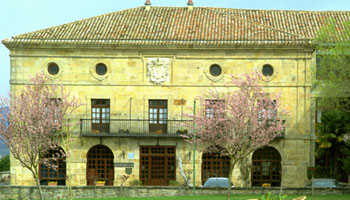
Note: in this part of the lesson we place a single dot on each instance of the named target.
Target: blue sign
(130, 155)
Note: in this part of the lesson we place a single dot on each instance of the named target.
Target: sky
(22, 16)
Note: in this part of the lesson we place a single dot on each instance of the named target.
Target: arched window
(100, 167)
(266, 167)
(49, 173)
(214, 165)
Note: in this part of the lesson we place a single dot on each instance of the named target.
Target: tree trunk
(68, 179)
(37, 180)
(232, 166)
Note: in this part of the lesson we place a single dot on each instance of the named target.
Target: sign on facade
(124, 165)
(131, 155)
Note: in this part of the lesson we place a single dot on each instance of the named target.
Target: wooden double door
(100, 165)
(158, 165)
(266, 167)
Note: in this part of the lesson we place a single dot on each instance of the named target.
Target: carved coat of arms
(158, 70)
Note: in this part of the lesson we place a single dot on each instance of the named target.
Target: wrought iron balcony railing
(138, 127)
(133, 126)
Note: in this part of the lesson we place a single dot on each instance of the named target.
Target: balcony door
(100, 115)
(158, 116)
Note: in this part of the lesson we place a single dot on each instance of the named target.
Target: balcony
(133, 128)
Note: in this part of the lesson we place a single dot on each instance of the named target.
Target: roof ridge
(276, 10)
(253, 22)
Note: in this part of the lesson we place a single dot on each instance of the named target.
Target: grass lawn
(223, 197)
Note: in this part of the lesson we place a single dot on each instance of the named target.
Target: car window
(325, 184)
(223, 182)
(210, 183)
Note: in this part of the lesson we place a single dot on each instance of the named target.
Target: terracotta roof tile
(178, 26)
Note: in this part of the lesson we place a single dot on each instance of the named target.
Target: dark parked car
(323, 183)
(217, 182)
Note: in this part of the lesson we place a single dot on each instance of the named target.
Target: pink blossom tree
(237, 121)
(33, 121)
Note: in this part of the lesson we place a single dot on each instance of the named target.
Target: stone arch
(266, 167)
(100, 165)
(49, 173)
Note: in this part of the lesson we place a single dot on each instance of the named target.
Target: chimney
(190, 5)
(148, 4)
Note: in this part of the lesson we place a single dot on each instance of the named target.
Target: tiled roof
(179, 26)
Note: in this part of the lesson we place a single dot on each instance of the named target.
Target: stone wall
(59, 192)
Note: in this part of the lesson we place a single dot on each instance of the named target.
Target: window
(270, 110)
(267, 70)
(100, 115)
(57, 103)
(53, 69)
(101, 69)
(158, 116)
(212, 108)
(47, 173)
(215, 70)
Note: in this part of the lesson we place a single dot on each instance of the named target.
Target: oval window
(267, 70)
(53, 69)
(215, 70)
(101, 69)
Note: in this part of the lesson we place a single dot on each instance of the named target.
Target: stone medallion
(158, 70)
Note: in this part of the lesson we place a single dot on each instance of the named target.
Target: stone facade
(128, 86)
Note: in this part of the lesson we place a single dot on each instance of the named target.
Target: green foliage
(268, 196)
(335, 124)
(345, 159)
(5, 163)
(135, 183)
(174, 183)
(332, 71)
(330, 145)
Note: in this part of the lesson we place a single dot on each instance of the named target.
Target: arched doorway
(49, 173)
(266, 167)
(214, 165)
(100, 165)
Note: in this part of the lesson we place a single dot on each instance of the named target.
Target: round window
(101, 69)
(215, 70)
(53, 69)
(267, 70)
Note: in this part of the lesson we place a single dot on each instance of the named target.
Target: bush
(135, 183)
(5, 164)
(174, 183)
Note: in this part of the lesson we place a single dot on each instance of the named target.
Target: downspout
(130, 114)
(194, 152)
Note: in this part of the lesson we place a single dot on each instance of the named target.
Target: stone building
(138, 70)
